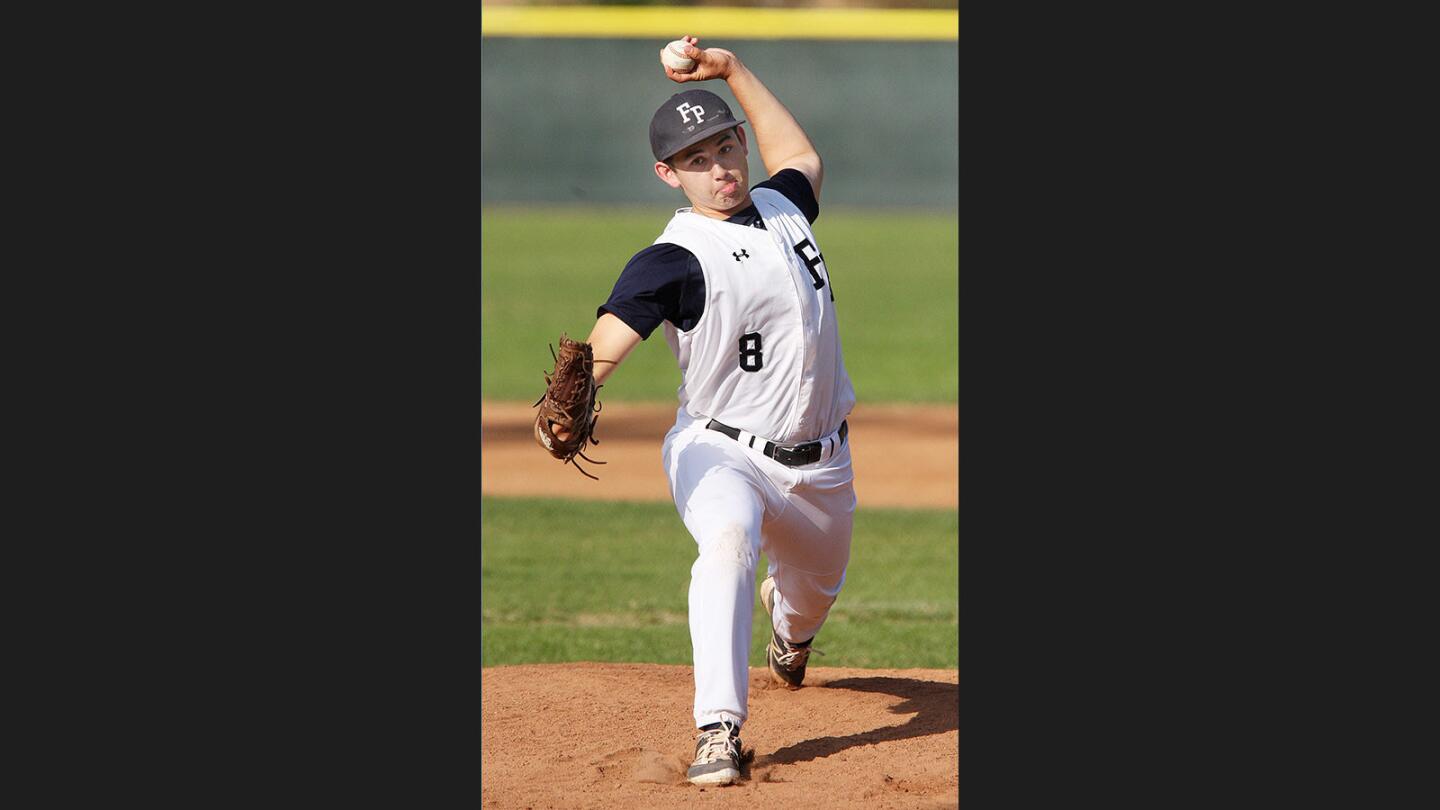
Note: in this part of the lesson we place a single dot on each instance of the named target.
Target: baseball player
(757, 459)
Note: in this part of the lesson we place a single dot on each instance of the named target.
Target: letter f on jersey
(812, 262)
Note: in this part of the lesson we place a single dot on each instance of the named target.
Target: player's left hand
(569, 407)
(710, 63)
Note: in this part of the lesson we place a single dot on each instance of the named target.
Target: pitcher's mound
(622, 735)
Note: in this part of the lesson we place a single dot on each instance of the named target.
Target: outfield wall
(565, 120)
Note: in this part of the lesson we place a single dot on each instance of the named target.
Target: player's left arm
(612, 340)
(782, 142)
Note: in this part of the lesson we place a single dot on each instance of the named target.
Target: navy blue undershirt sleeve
(796, 188)
(661, 283)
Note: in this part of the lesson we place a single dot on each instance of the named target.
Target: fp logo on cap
(687, 108)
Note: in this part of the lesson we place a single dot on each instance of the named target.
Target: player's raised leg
(808, 547)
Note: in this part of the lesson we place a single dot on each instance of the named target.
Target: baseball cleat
(787, 661)
(717, 756)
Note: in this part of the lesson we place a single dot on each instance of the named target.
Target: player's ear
(740, 133)
(666, 174)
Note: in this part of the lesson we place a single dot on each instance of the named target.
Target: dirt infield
(904, 455)
(620, 736)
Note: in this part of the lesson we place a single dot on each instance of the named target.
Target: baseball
(674, 56)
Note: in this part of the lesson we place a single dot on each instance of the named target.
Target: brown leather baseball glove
(569, 404)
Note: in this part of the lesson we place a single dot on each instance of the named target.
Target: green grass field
(595, 581)
(545, 270)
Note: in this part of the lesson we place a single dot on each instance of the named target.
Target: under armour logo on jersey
(738, 256)
(687, 108)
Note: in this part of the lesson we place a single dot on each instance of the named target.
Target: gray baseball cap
(688, 118)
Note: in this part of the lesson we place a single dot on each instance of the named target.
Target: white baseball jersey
(765, 355)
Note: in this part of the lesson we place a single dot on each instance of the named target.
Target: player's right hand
(710, 63)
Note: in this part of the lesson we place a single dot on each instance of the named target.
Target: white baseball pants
(737, 502)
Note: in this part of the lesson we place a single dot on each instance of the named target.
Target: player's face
(713, 173)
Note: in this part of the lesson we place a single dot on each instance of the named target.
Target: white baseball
(674, 56)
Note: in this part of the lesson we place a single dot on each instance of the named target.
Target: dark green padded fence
(566, 120)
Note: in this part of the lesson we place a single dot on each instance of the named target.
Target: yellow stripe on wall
(665, 23)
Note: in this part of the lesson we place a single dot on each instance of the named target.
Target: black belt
(792, 456)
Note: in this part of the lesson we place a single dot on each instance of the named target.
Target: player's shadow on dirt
(936, 707)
